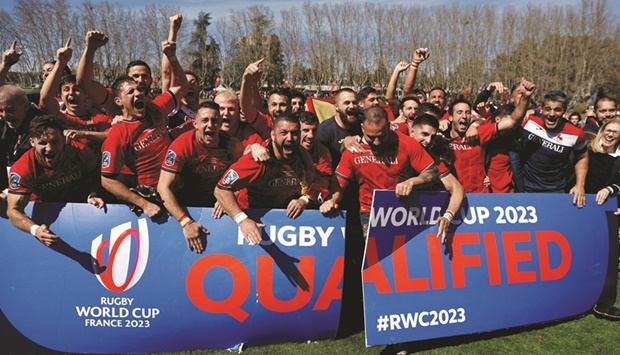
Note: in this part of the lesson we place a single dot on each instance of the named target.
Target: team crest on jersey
(393, 126)
(14, 180)
(170, 157)
(105, 159)
(230, 177)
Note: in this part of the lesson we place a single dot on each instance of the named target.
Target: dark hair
(363, 94)
(137, 63)
(286, 117)
(556, 96)
(340, 91)
(41, 123)
(428, 108)
(426, 119)
(408, 98)
(65, 71)
(603, 98)
(438, 88)
(574, 113)
(281, 92)
(307, 117)
(459, 100)
(375, 115)
(418, 91)
(504, 110)
(189, 72)
(297, 94)
(116, 85)
(209, 104)
(66, 79)
(440, 147)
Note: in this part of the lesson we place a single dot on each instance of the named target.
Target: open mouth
(139, 104)
(288, 148)
(210, 134)
(190, 95)
(72, 101)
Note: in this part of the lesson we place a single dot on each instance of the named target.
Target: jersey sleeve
(113, 152)
(344, 171)
(486, 132)
(240, 174)
(419, 159)
(166, 102)
(262, 124)
(175, 157)
(21, 176)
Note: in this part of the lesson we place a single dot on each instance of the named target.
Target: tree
(204, 51)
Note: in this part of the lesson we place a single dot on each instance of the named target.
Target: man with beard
(548, 143)
(51, 171)
(298, 101)
(194, 163)
(604, 109)
(84, 126)
(389, 160)
(278, 101)
(140, 141)
(367, 98)
(344, 125)
(287, 180)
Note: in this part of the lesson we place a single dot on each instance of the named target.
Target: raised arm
(9, 58)
(178, 81)
(391, 89)
(419, 55)
(526, 89)
(47, 100)
(166, 71)
(249, 83)
(84, 75)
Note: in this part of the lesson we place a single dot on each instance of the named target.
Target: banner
(511, 260)
(119, 283)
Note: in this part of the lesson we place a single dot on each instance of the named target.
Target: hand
(117, 119)
(192, 233)
(580, 196)
(420, 55)
(218, 210)
(471, 135)
(96, 201)
(169, 48)
(483, 109)
(443, 125)
(403, 189)
(498, 85)
(328, 207)
(486, 181)
(526, 88)
(11, 55)
(295, 208)
(442, 224)
(71, 134)
(64, 54)
(259, 153)
(175, 22)
(601, 196)
(400, 67)
(96, 39)
(46, 236)
(251, 231)
(352, 144)
(151, 209)
(253, 71)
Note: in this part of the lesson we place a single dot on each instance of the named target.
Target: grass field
(581, 335)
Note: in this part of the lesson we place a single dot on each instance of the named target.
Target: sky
(221, 8)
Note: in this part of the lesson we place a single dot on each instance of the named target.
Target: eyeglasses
(611, 131)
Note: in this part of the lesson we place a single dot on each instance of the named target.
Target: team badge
(105, 159)
(393, 126)
(14, 180)
(170, 157)
(230, 177)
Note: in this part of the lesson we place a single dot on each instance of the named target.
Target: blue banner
(119, 283)
(511, 260)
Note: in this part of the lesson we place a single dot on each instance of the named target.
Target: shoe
(611, 313)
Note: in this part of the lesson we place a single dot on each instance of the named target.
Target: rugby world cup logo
(126, 257)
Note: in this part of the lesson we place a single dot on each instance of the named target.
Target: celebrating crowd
(84, 142)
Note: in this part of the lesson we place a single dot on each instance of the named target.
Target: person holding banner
(287, 180)
(389, 160)
(603, 179)
(51, 171)
(193, 165)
